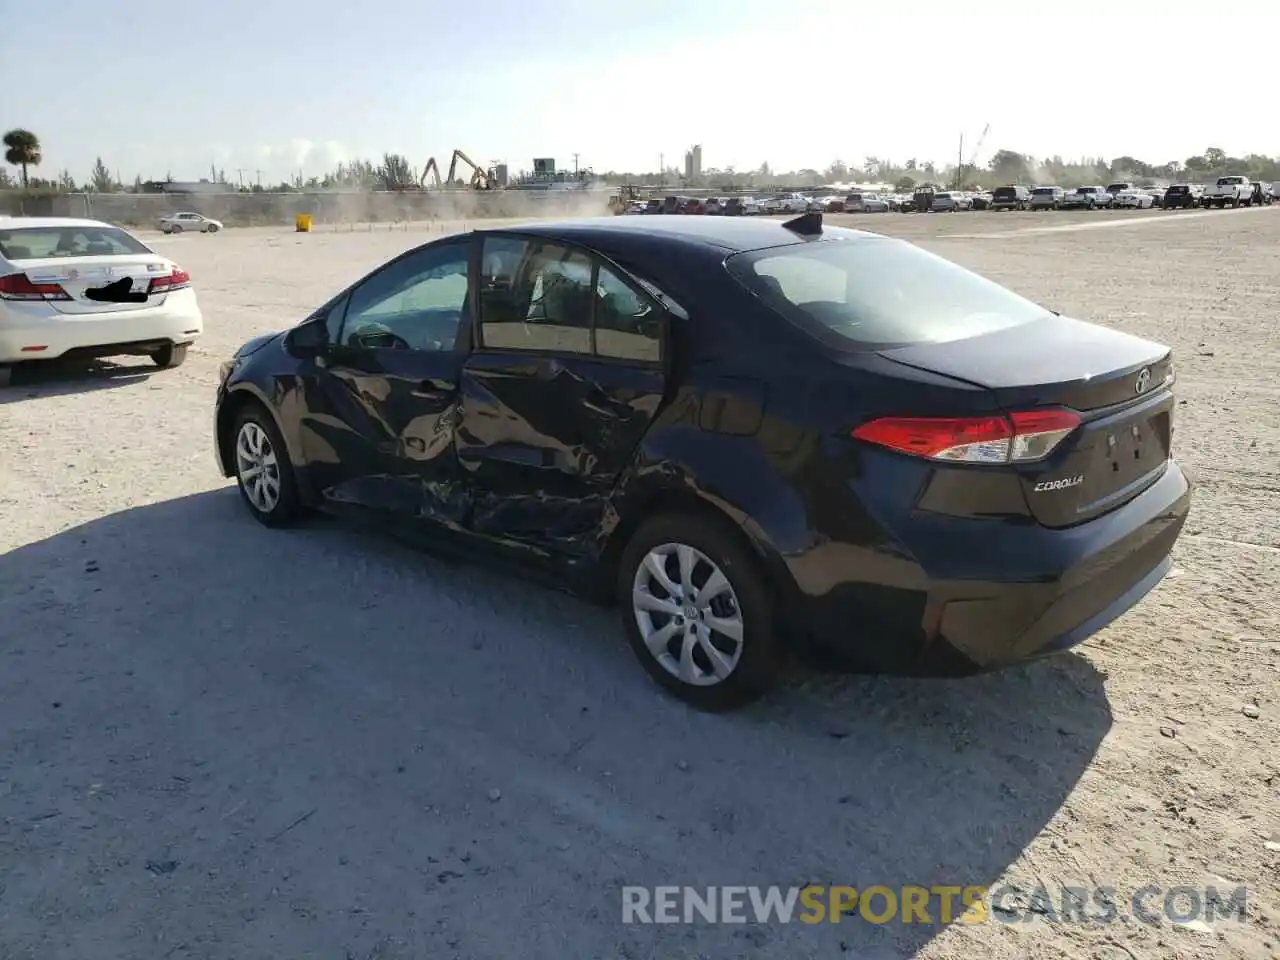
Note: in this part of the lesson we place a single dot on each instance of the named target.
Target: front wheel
(263, 471)
(698, 613)
(212, 228)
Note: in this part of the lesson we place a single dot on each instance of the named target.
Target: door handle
(429, 391)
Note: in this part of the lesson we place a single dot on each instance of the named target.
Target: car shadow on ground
(56, 378)
(317, 740)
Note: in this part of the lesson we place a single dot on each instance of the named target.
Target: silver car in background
(195, 222)
(950, 201)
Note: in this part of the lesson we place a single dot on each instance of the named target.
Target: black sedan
(752, 434)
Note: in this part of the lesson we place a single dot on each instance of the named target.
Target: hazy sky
(277, 86)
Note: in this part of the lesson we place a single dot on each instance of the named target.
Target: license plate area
(1127, 451)
(124, 289)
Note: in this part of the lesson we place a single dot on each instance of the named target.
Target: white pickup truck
(1228, 191)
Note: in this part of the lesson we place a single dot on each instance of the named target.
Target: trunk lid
(1119, 384)
(78, 275)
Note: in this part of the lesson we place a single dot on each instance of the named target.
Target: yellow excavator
(621, 201)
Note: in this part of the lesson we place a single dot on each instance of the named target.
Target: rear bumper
(1017, 593)
(33, 332)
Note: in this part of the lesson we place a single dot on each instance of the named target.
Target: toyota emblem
(1144, 380)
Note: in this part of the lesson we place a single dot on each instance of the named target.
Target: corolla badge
(1144, 380)
(1063, 484)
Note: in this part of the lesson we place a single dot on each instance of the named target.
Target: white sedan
(1135, 199)
(82, 288)
(196, 222)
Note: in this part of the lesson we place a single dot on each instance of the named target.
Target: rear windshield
(48, 243)
(1229, 181)
(872, 294)
(1004, 193)
(1179, 189)
(1044, 191)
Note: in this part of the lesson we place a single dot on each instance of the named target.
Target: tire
(176, 228)
(213, 228)
(256, 443)
(6, 375)
(752, 665)
(171, 356)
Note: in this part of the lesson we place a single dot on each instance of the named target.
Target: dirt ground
(221, 741)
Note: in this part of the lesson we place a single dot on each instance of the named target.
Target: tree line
(394, 172)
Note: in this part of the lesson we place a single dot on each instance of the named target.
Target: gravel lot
(221, 741)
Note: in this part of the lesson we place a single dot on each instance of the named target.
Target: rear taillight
(18, 286)
(1017, 438)
(177, 280)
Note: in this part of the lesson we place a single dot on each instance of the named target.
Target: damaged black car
(751, 435)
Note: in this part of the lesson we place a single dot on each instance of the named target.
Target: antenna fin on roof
(806, 225)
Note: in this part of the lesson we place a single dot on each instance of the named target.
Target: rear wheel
(263, 471)
(170, 356)
(6, 374)
(698, 613)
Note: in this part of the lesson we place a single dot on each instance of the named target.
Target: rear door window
(548, 298)
(876, 293)
(535, 296)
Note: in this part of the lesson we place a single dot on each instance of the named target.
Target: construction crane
(481, 179)
(961, 166)
(431, 168)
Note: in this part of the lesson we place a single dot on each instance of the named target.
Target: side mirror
(309, 339)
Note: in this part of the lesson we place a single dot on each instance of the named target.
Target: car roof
(728, 234)
(18, 223)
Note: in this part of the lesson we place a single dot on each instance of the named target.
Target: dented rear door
(559, 393)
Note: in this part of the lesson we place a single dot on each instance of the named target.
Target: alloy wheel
(688, 614)
(257, 467)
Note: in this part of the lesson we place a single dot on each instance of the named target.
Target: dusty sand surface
(225, 742)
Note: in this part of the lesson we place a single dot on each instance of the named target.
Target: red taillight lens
(18, 286)
(177, 280)
(1018, 438)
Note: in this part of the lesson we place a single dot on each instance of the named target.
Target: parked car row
(1234, 191)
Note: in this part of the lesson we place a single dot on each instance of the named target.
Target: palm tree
(22, 149)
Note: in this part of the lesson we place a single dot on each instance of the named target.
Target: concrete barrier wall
(260, 209)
